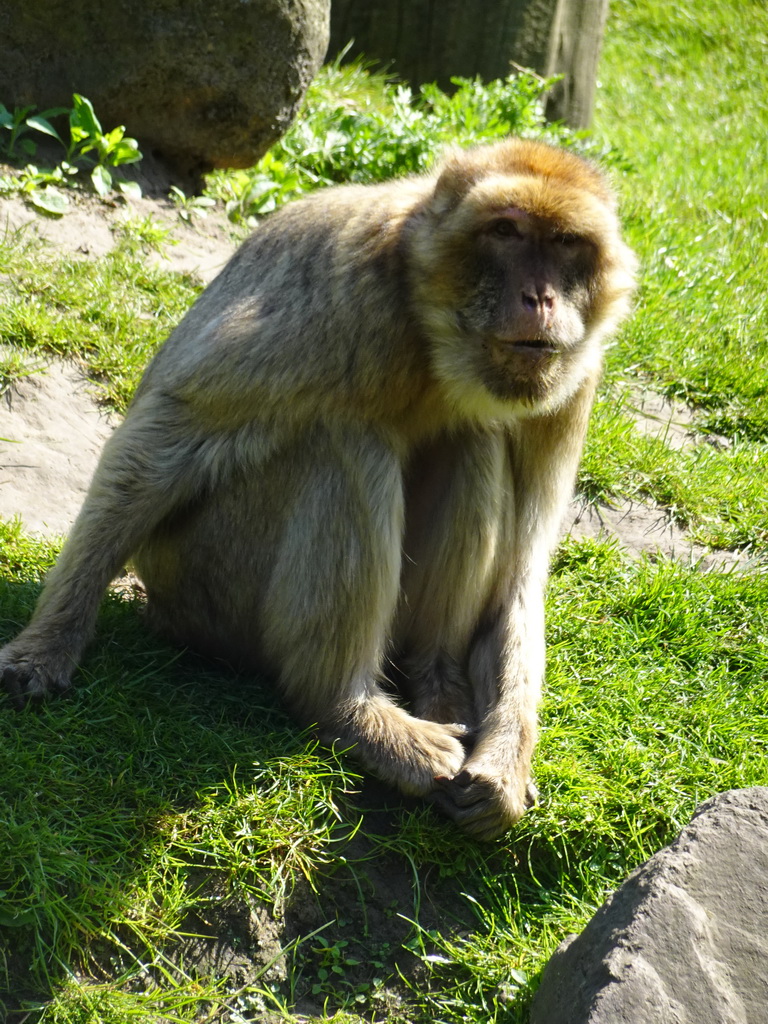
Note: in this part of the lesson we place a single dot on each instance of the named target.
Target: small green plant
(189, 207)
(20, 123)
(108, 149)
(334, 973)
(39, 187)
(89, 146)
(333, 959)
(348, 133)
(137, 234)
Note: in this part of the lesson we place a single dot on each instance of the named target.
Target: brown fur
(350, 461)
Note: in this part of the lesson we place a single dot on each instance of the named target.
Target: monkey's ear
(456, 176)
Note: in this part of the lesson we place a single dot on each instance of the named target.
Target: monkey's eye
(567, 239)
(505, 228)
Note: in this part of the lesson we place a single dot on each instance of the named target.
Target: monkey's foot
(420, 752)
(404, 751)
(23, 675)
(483, 804)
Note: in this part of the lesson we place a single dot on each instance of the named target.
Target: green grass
(164, 810)
(109, 313)
(683, 100)
(159, 775)
(716, 489)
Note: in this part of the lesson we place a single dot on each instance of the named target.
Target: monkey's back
(316, 303)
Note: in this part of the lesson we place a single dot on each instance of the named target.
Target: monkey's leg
(494, 788)
(456, 495)
(140, 476)
(329, 604)
(506, 660)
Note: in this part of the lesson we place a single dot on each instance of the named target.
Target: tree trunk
(575, 37)
(434, 40)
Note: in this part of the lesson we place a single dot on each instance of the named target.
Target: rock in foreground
(685, 938)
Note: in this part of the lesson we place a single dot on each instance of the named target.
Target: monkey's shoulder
(352, 222)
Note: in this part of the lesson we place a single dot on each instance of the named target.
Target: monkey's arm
(506, 664)
(331, 597)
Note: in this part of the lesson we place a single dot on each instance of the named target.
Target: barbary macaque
(347, 466)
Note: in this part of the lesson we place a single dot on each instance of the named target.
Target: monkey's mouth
(532, 345)
(525, 357)
(529, 350)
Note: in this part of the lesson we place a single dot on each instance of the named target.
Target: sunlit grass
(133, 811)
(110, 313)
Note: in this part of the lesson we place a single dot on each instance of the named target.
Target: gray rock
(685, 938)
(207, 83)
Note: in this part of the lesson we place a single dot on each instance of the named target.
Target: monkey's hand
(482, 801)
(435, 750)
(26, 673)
(410, 753)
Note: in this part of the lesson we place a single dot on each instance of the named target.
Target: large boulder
(206, 83)
(684, 940)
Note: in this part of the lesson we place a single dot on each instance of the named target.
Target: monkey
(347, 466)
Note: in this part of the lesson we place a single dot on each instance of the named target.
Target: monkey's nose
(539, 305)
(538, 301)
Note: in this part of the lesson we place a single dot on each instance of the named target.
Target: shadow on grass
(166, 813)
(100, 789)
(164, 828)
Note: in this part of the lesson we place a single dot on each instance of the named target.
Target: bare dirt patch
(51, 428)
(199, 246)
(52, 433)
(659, 417)
(644, 530)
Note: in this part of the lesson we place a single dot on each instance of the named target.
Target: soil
(200, 247)
(51, 428)
(51, 432)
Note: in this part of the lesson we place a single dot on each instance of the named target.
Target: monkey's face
(528, 305)
(526, 275)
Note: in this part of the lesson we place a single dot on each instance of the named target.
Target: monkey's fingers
(463, 790)
(12, 684)
(24, 681)
(479, 804)
(480, 820)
